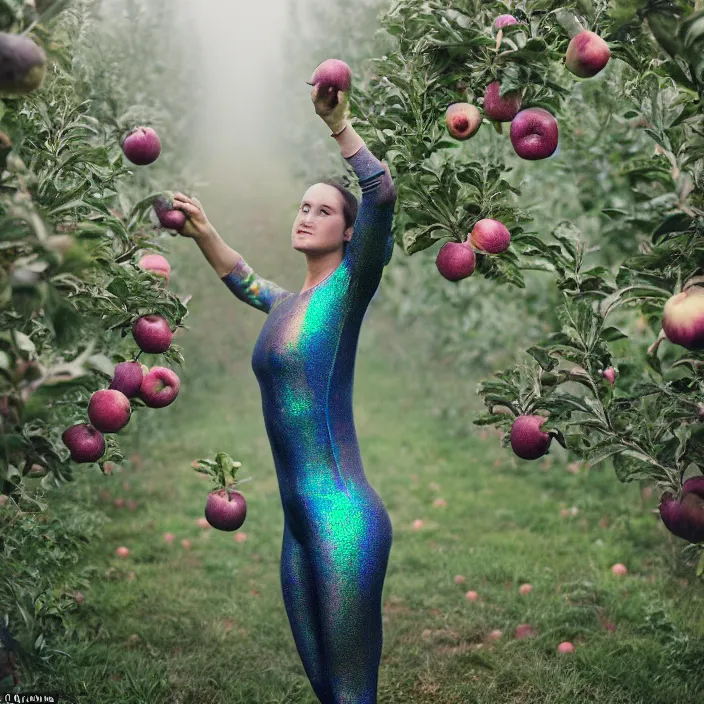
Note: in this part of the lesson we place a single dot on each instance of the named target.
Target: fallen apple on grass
(565, 647)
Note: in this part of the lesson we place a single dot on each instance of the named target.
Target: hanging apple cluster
(533, 134)
(109, 410)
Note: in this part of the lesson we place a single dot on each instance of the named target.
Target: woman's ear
(349, 231)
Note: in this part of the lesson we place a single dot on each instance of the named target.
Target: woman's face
(319, 226)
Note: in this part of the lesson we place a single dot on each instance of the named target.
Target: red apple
(332, 72)
(610, 375)
(109, 410)
(565, 647)
(683, 318)
(456, 260)
(169, 537)
(471, 595)
(501, 108)
(462, 120)
(122, 551)
(152, 333)
(169, 217)
(490, 236)
(159, 387)
(127, 378)
(587, 54)
(156, 263)
(23, 63)
(524, 630)
(534, 134)
(85, 442)
(504, 21)
(619, 570)
(494, 635)
(141, 146)
(685, 518)
(225, 509)
(527, 440)
(525, 589)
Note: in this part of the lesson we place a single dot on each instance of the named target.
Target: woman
(337, 532)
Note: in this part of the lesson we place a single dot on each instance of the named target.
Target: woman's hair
(350, 203)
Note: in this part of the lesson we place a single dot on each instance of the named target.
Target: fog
(243, 120)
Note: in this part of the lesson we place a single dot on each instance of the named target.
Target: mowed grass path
(207, 624)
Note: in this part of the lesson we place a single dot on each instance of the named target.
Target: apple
(456, 260)
(109, 410)
(610, 375)
(122, 551)
(587, 54)
(152, 333)
(225, 509)
(169, 537)
(169, 217)
(504, 21)
(527, 440)
(524, 630)
(202, 522)
(160, 387)
(85, 442)
(494, 635)
(490, 236)
(127, 378)
(471, 595)
(23, 64)
(332, 72)
(619, 570)
(141, 146)
(157, 264)
(417, 524)
(240, 537)
(462, 120)
(534, 134)
(685, 518)
(459, 579)
(501, 108)
(525, 589)
(683, 318)
(565, 647)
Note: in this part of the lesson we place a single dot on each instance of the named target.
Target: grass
(207, 624)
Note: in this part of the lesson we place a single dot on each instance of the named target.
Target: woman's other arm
(228, 264)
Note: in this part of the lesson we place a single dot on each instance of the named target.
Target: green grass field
(207, 624)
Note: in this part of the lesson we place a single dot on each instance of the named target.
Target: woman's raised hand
(197, 225)
(333, 107)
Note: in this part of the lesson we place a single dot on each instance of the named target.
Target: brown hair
(350, 203)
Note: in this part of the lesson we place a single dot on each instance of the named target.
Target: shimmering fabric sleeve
(371, 246)
(252, 289)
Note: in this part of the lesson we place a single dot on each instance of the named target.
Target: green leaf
(612, 334)
(542, 357)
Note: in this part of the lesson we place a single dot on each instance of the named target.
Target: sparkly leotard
(337, 532)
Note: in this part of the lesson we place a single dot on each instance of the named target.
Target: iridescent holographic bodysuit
(337, 532)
